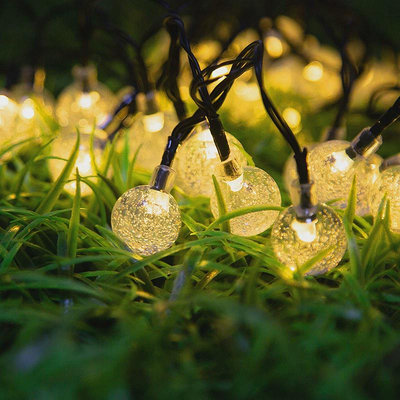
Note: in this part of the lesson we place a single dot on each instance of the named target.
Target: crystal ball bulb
(389, 184)
(333, 171)
(62, 148)
(254, 188)
(78, 109)
(146, 220)
(149, 135)
(196, 160)
(8, 114)
(295, 242)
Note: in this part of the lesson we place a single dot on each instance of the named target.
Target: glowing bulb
(332, 171)
(153, 122)
(389, 184)
(149, 134)
(340, 162)
(273, 46)
(197, 158)
(147, 220)
(220, 72)
(62, 147)
(8, 114)
(313, 71)
(84, 103)
(27, 109)
(295, 242)
(247, 91)
(253, 187)
(305, 231)
(293, 118)
(4, 101)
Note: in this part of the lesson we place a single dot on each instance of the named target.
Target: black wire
(390, 116)
(168, 80)
(216, 127)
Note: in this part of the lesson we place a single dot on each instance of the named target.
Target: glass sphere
(148, 135)
(295, 242)
(389, 184)
(36, 109)
(8, 114)
(196, 160)
(332, 172)
(77, 108)
(62, 147)
(146, 220)
(253, 188)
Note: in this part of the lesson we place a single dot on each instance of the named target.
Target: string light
(147, 218)
(245, 187)
(197, 158)
(274, 46)
(293, 118)
(388, 184)
(333, 171)
(150, 131)
(313, 71)
(63, 145)
(306, 229)
(85, 102)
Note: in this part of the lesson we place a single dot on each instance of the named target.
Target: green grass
(215, 316)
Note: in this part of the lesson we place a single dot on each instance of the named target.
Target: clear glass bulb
(197, 158)
(388, 183)
(248, 186)
(8, 114)
(332, 171)
(149, 134)
(62, 147)
(295, 242)
(84, 103)
(146, 219)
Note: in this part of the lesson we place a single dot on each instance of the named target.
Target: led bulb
(62, 147)
(8, 113)
(84, 103)
(388, 183)
(295, 242)
(146, 220)
(251, 187)
(197, 158)
(332, 171)
(274, 46)
(148, 135)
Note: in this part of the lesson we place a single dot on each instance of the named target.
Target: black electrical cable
(216, 127)
(168, 80)
(386, 119)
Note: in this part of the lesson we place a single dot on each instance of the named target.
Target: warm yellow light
(306, 231)
(85, 101)
(197, 158)
(4, 101)
(147, 220)
(247, 91)
(273, 46)
(294, 242)
(313, 71)
(153, 122)
(253, 188)
(27, 109)
(341, 161)
(220, 72)
(292, 117)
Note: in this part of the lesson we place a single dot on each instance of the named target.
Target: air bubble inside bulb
(197, 158)
(146, 220)
(254, 187)
(295, 242)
